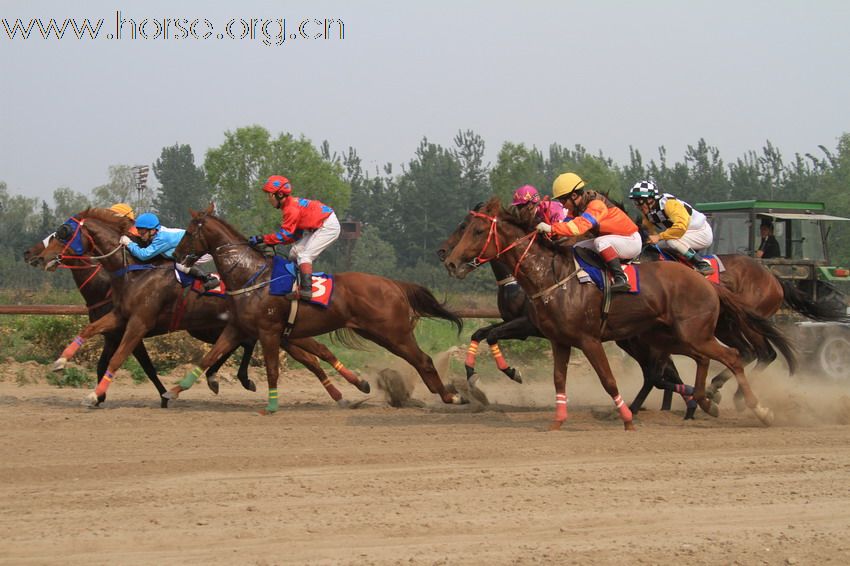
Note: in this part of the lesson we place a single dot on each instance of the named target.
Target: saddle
(593, 265)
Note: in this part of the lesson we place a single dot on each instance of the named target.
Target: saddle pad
(283, 280)
(596, 274)
(711, 259)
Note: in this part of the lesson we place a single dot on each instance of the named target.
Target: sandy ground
(208, 481)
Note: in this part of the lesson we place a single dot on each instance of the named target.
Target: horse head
(92, 231)
(488, 233)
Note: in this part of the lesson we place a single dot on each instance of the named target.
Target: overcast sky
(604, 74)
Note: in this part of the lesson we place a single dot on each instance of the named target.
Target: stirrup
(211, 283)
(704, 267)
(621, 286)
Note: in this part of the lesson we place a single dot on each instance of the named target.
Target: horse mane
(107, 216)
(226, 225)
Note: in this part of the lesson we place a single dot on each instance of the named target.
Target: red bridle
(493, 235)
(88, 265)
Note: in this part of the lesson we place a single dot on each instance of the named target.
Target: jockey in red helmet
(308, 224)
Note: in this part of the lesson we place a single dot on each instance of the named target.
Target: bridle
(493, 235)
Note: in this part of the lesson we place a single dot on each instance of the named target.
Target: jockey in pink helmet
(549, 211)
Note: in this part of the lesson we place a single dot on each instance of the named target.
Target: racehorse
(755, 286)
(676, 306)
(379, 309)
(165, 308)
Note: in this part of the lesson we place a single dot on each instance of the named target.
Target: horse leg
(671, 375)
(144, 359)
(740, 403)
(699, 387)
(271, 355)
(517, 329)
(312, 363)
(403, 345)
(133, 334)
(472, 351)
(226, 342)
(324, 353)
(110, 342)
(596, 356)
(561, 360)
(107, 323)
(242, 372)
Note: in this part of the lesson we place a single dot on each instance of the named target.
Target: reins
(493, 235)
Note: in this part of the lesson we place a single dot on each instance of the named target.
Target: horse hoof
(765, 415)
(163, 402)
(170, 395)
(472, 381)
(690, 412)
(213, 385)
(265, 413)
(555, 425)
(59, 364)
(713, 410)
(458, 399)
(249, 385)
(364, 386)
(517, 375)
(91, 400)
(629, 426)
(343, 404)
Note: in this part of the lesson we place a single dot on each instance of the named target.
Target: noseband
(493, 235)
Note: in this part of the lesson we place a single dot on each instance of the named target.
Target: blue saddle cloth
(283, 280)
(597, 275)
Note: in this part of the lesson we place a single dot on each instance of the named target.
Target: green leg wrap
(272, 407)
(190, 378)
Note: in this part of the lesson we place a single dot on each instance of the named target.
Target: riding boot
(698, 262)
(305, 281)
(210, 281)
(621, 283)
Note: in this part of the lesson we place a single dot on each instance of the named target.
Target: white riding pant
(627, 247)
(696, 240)
(315, 241)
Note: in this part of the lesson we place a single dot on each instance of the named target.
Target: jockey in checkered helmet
(673, 225)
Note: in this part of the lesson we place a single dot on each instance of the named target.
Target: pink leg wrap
(471, 352)
(625, 413)
(560, 407)
(349, 375)
(72, 348)
(104, 384)
(497, 355)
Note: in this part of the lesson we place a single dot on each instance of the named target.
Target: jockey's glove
(124, 240)
(545, 228)
(255, 241)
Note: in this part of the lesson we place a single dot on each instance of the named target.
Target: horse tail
(348, 338)
(424, 303)
(752, 332)
(801, 304)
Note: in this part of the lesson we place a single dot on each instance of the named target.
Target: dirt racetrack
(210, 482)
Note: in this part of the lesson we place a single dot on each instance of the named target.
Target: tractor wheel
(833, 356)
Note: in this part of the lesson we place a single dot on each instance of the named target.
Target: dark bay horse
(379, 309)
(152, 302)
(677, 308)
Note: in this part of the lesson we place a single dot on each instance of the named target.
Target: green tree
(372, 254)
(183, 185)
(67, 202)
(516, 165)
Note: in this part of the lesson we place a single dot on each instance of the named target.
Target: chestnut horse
(755, 286)
(677, 307)
(154, 303)
(379, 309)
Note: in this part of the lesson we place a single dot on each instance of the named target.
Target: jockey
(125, 210)
(162, 241)
(616, 236)
(674, 225)
(550, 211)
(309, 224)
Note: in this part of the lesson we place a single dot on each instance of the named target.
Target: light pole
(140, 175)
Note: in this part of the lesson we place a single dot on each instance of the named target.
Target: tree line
(405, 214)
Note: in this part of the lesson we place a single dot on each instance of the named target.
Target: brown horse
(754, 286)
(152, 302)
(379, 309)
(676, 306)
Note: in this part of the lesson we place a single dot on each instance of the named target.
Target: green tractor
(798, 252)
